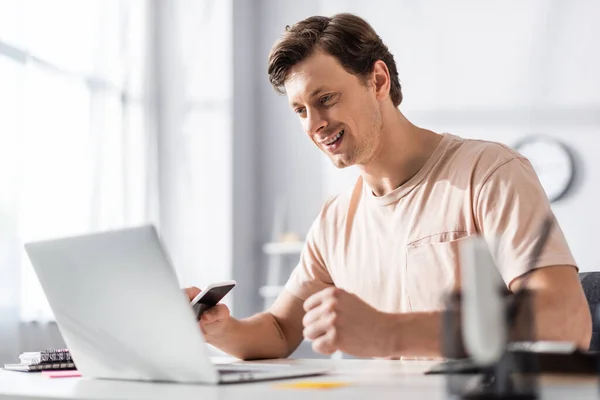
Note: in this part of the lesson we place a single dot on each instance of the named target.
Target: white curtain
(196, 87)
(77, 130)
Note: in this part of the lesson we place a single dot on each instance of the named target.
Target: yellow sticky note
(312, 385)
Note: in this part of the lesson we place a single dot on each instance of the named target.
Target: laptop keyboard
(231, 371)
(224, 371)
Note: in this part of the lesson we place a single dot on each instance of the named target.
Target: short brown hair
(347, 37)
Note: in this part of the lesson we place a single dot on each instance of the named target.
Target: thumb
(192, 292)
(217, 313)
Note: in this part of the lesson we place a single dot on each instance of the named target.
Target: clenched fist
(337, 320)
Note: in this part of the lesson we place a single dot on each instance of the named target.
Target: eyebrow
(318, 90)
(312, 94)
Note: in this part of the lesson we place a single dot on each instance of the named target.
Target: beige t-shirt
(399, 252)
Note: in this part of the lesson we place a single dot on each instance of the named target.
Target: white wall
(245, 155)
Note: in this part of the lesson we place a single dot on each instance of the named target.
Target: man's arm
(337, 320)
(275, 333)
(560, 307)
(560, 311)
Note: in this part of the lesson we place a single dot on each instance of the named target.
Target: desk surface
(381, 378)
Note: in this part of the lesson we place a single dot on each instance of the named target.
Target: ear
(381, 80)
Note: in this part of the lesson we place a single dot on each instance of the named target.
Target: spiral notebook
(50, 359)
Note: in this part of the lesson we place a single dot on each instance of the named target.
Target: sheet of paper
(69, 373)
(312, 385)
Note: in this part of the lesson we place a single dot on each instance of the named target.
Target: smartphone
(210, 297)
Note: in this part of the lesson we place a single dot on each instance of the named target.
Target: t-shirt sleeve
(311, 274)
(509, 209)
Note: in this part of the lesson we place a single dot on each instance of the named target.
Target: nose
(315, 122)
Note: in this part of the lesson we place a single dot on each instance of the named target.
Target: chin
(340, 162)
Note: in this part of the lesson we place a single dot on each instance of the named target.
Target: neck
(402, 151)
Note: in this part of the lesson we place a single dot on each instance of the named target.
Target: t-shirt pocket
(432, 270)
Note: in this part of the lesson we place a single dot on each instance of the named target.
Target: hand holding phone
(210, 297)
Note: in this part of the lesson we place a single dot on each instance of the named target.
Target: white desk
(370, 379)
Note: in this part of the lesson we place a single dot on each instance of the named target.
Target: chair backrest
(591, 287)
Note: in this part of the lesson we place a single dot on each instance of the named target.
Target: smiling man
(379, 258)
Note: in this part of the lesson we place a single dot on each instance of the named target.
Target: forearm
(556, 317)
(561, 317)
(415, 335)
(257, 337)
(559, 308)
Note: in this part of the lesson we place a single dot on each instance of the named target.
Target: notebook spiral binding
(55, 355)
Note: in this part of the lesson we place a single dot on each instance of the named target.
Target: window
(76, 134)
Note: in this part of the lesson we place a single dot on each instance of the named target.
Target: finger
(316, 299)
(215, 314)
(317, 328)
(192, 292)
(326, 344)
(321, 311)
(312, 316)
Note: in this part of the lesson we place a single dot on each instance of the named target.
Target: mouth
(334, 142)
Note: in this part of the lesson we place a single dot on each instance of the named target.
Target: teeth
(336, 137)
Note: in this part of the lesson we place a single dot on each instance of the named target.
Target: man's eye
(299, 111)
(325, 99)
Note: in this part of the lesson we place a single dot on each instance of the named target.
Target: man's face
(338, 110)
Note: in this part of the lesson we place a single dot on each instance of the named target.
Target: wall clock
(553, 162)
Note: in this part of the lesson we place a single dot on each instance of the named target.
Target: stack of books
(50, 359)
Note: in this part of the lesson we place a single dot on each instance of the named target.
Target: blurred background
(125, 112)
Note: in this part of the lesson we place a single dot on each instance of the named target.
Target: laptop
(122, 314)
